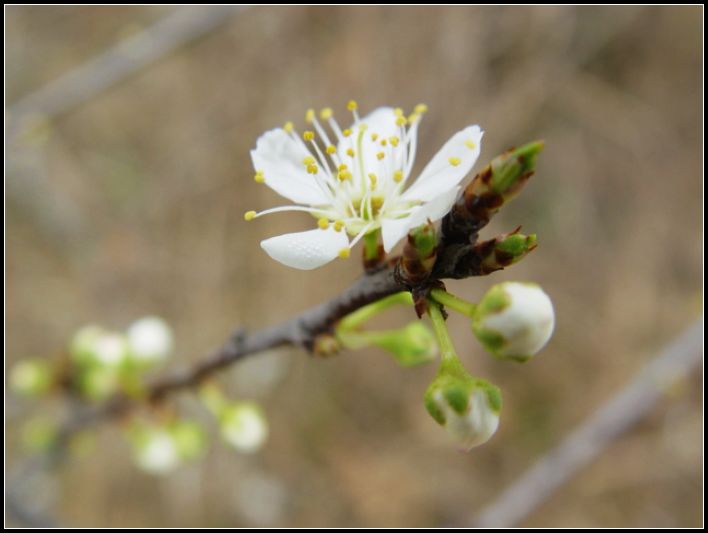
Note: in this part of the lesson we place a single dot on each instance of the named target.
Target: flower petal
(393, 230)
(306, 249)
(279, 157)
(441, 174)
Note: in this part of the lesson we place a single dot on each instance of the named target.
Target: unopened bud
(505, 250)
(244, 426)
(31, 377)
(149, 340)
(514, 320)
(155, 450)
(467, 407)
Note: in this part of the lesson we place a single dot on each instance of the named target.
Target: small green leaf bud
(514, 320)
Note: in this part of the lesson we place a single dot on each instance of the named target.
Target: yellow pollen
(376, 203)
(312, 168)
(323, 223)
(344, 253)
(343, 166)
(350, 152)
(347, 132)
(374, 136)
(372, 178)
(326, 113)
(352, 105)
(288, 127)
(308, 160)
(394, 140)
(398, 176)
(310, 116)
(344, 175)
(454, 161)
(259, 177)
(470, 144)
(338, 225)
(383, 142)
(249, 215)
(380, 156)
(401, 121)
(398, 112)
(413, 117)
(308, 135)
(420, 109)
(331, 149)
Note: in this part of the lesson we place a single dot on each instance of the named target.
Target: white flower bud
(156, 451)
(514, 320)
(94, 346)
(150, 340)
(244, 426)
(31, 377)
(468, 408)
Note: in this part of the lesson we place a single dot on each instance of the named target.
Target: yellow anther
(338, 225)
(401, 121)
(308, 160)
(376, 203)
(310, 116)
(331, 149)
(288, 127)
(259, 177)
(312, 168)
(420, 109)
(374, 136)
(323, 223)
(471, 145)
(380, 156)
(398, 176)
(398, 112)
(394, 140)
(372, 178)
(352, 105)
(454, 161)
(249, 215)
(343, 166)
(326, 113)
(384, 142)
(344, 253)
(350, 152)
(347, 132)
(413, 117)
(344, 175)
(308, 135)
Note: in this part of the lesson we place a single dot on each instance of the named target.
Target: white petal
(393, 230)
(440, 175)
(279, 157)
(307, 249)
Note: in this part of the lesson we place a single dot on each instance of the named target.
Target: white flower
(150, 339)
(244, 426)
(514, 320)
(356, 181)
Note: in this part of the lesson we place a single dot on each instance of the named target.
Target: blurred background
(125, 190)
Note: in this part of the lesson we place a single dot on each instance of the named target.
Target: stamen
(331, 149)
(344, 253)
(249, 215)
(350, 152)
(374, 136)
(338, 225)
(308, 135)
(259, 177)
(323, 223)
(470, 144)
(398, 176)
(352, 105)
(380, 156)
(310, 116)
(288, 126)
(326, 113)
(421, 108)
(454, 161)
(394, 140)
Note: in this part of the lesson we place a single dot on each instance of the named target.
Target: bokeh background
(130, 202)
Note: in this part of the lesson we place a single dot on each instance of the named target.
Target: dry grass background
(132, 204)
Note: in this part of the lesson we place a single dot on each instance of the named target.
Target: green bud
(514, 320)
(419, 254)
(512, 168)
(411, 345)
(505, 250)
(98, 383)
(189, 438)
(31, 377)
(244, 426)
(95, 346)
(155, 449)
(467, 407)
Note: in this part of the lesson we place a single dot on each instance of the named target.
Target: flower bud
(514, 320)
(189, 439)
(155, 450)
(149, 340)
(244, 426)
(467, 407)
(31, 377)
(94, 346)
